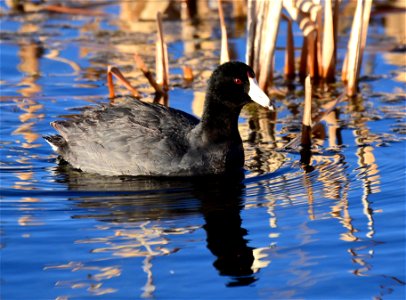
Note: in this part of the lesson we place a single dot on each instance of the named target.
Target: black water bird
(143, 139)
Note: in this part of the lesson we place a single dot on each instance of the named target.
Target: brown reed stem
(289, 69)
(116, 72)
(148, 74)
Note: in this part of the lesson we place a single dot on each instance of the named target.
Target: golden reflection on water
(97, 274)
(146, 242)
(398, 33)
(334, 182)
(30, 113)
(29, 54)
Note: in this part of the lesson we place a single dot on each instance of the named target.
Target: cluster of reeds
(318, 61)
(318, 22)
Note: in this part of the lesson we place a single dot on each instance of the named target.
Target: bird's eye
(237, 81)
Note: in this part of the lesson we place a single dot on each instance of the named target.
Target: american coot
(136, 138)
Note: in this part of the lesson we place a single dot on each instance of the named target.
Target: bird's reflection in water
(218, 199)
(221, 206)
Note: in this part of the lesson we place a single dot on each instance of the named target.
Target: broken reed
(160, 84)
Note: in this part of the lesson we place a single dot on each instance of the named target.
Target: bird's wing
(126, 139)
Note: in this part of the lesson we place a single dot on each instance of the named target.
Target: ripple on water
(283, 233)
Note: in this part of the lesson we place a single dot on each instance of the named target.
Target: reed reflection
(140, 204)
(368, 168)
(29, 111)
(336, 183)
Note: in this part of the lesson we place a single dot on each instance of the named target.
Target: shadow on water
(218, 199)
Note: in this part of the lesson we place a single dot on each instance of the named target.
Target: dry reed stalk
(316, 120)
(259, 23)
(116, 72)
(356, 45)
(319, 22)
(289, 69)
(110, 84)
(365, 22)
(255, 25)
(314, 10)
(329, 55)
(161, 56)
(303, 60)
(251, 24)
(147, 73)
(261, 55)
(307, 114)
(224, 56)
(306, 134)
(330, 77)
(312, 54)
(327, 61)
(262, 27)
(268, 42)
(354, 49)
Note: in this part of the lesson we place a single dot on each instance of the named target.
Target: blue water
(337, 232)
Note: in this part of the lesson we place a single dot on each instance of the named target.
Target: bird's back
(130, 138)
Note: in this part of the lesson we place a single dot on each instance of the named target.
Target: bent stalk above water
(111, 70)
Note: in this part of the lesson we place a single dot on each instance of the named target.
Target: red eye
(237, 81)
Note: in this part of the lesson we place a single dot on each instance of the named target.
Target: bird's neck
(220, 123)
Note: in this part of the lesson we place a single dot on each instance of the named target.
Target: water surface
(337, 232)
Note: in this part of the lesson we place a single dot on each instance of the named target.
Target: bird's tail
(57, 142)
